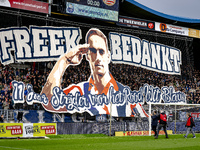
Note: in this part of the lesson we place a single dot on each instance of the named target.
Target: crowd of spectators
(134, 77)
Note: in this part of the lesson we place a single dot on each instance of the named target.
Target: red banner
(195, 115)
(27, 5)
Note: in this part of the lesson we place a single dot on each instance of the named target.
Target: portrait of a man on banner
(100, 91)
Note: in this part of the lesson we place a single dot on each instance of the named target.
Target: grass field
(102, 142)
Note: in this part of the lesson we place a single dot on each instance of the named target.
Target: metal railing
(8, 115)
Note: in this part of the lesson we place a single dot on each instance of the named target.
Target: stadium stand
(134, 77)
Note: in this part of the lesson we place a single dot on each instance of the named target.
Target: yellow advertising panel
(11, 129)
(194, 33)
(139, 133)
(27, 129)
(42, 129)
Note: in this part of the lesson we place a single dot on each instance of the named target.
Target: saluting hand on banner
(76, 54)
(73, 57)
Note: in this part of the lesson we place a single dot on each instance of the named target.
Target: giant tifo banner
(31, 5)
(101, 93)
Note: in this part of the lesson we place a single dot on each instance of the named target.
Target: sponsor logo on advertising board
(11, 130)
(70, 7)
(2, 130)
(15, 130)
(139, 133)
(49, 129)
(162, 27)
(150, 25)
(109, 2)
(136, 23)
(27, 129)
(30, 130)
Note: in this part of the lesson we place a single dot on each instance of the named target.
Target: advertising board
(27, 129)
(136, 23)
(106, 9)
(31, 5)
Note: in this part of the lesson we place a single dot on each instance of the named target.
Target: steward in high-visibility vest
(190, 124)
(162, 123)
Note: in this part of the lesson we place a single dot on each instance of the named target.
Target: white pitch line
(13, 148)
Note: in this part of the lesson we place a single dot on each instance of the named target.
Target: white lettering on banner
(48, 43)
(80, 103)
(38, 44)
(155, 50)
(6, 38)
(58, 117)
(146, 60)
(24, 116)
(154, 56)
(40, 116)
(33, 97)
(22, 42)
(136, 46)
(18, 91)
(72, 37)
(56, 42)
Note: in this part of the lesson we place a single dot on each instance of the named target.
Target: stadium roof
(186, 13)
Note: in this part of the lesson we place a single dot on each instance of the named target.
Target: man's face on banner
(98, 55)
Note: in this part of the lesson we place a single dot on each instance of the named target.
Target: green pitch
(102, 142)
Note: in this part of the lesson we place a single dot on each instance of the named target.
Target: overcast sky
(181, 8)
